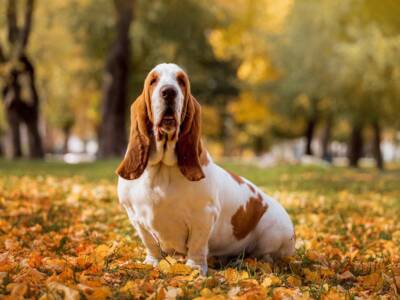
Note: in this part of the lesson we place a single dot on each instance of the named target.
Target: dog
(177, 198)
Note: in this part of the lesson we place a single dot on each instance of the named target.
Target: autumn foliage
(67, 238)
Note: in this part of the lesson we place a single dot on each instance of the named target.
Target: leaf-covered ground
(67, 238)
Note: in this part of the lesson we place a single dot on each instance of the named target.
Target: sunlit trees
(369, 82)
(303, 53)
(241, 37)
(263, 70)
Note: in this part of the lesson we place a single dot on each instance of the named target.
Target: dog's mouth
(168, 124)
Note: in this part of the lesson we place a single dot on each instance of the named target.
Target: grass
(103, 169)
(62, 232)
(322, 179)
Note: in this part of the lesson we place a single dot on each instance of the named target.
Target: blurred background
(283, 81)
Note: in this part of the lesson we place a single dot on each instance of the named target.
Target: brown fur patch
(137, 155)
(235, 177)
(246, 218)
(251, 187)
(188, 146)
(240, 180)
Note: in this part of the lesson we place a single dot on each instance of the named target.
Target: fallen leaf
(180, 269)
(271, 280)
(18, 290)
(294, 281)
(347, 275)
(68, 293)
(312, 276)
(231, 276)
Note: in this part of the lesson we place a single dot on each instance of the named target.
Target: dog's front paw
(151, 260)
(202, 267)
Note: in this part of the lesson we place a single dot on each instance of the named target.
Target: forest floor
(64, 236)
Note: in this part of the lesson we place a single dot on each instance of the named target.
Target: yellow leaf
(129, 287)
(231, 275)
(271, 280)
(164, 266)
(135, 265)
(100, 253)
(266, 267)
(206, 292)
(18, 290)
(244, 275)
(180, 269)
(160, 294)
(99, 293)
(313, 255)
(267, 282)
(372, 281)
(326, 273)
(312, 276)
(294, 281)
(281, 293)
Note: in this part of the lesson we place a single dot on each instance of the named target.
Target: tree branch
(26, 30)
(12, 22)
(2, 55)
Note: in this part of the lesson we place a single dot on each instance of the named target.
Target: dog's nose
(168, 93)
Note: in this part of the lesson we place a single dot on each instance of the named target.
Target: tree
(21, 100)
(369, 77)
(303, 54)
(242, 38)
(112, 134)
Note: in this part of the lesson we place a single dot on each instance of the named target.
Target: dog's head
(167, 110)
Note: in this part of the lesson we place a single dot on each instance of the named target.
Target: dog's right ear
(137, 154)
(188, 147)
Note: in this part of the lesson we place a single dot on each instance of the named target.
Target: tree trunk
(27, 109)
(356, 143)
(309, 135)
(258, 145)
(21, 77)
(31, 118)
(34, 139)
(67, 134)
(112, 133)
(377, 145)
(15, 134)
(326, 139)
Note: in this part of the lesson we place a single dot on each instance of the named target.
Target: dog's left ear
(188, 146)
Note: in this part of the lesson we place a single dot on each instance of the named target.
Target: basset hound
(177, 198)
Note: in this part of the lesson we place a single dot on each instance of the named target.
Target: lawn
(63, 235)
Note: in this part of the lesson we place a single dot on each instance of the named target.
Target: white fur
(175, 215)
(166, 76)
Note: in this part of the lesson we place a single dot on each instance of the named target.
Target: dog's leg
(153, 251)
(198, 244)
(152, 248)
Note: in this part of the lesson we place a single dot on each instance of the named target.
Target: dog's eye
(153, 81)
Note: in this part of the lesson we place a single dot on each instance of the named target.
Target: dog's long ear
(137, 154)
(188, 146)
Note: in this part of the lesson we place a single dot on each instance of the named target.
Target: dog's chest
(165, 203)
